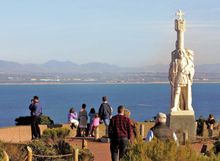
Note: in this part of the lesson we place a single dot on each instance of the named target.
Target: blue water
(143, 100)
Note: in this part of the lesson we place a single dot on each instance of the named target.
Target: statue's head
(180, 53)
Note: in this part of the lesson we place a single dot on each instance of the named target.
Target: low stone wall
(16, 134)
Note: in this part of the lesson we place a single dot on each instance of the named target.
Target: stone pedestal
(184, 124)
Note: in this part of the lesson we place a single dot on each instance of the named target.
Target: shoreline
(96, 83)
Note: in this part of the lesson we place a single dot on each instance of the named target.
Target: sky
(126, 33)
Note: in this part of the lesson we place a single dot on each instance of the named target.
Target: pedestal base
(184, 124)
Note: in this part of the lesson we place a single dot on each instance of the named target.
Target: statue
(181, 74)
(181, 71)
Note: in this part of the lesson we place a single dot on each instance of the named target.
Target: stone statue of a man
(181, 74)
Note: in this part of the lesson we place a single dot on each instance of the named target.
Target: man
(36, 112)
(105, 112)
(160, 130)
(119, 134)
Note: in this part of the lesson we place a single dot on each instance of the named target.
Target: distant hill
(54, 66)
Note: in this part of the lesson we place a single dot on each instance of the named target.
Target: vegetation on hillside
(166, 151)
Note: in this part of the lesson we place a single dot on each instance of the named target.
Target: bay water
(143, 100)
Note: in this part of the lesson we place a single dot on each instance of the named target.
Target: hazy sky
(121, 32)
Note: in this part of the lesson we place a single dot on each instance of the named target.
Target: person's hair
(84, 106)
(121, 109)
(92, 110)
(72, 110)
(104, 98)
(127, 113)
(96, 115)
(36, 98)
(161, 117)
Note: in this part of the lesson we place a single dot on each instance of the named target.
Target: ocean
(143, 100)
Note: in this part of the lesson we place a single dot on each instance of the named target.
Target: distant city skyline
(125, 33)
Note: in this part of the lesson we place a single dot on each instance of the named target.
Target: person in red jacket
(120, 132)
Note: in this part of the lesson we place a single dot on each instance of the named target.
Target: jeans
(35, 129)
(118, 145)
(106, 122)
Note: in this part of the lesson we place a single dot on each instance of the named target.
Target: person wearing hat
(160, 130)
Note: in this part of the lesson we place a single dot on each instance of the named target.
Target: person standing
(210, 122)
(161, 131)
(94, 125)
(120, 132)
(92, 114)
(105, 112)
(36, 112)
(83, 120)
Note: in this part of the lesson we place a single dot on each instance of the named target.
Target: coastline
(96, 83)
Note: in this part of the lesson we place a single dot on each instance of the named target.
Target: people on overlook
(210, 122)
(36, 111)
(94, 124)
(105, 112)
(127, 113)
(83, 118)
(120, 132)
(73, 118)
(161, 131)
(91, 117)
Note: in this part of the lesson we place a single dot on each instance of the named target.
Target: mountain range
(54, 66)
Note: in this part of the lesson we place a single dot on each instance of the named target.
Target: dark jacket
(105, 111)
(162, 132)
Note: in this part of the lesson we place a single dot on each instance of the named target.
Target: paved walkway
(100, 150)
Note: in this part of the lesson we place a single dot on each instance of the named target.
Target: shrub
(52, 143)
(16, 152)
(85, 155)
(56, 133)
(26, 120)
(46, 120)
(157, 150)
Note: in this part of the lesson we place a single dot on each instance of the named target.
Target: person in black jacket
(105, 112)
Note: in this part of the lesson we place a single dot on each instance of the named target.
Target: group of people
(79, 120)
(122, 131)
(120, 128)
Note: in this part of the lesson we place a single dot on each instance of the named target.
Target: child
(73, 118)
(95, 124)
(91, 116)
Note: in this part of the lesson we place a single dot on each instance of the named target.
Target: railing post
(142, 130)
(5, 156)
(76, 154)
(97, 133)
(84, 144)
(185, 137)
(30, 153)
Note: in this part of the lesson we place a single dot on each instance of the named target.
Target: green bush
(56, 133)
(51, 144)
(157, 150)
(46, 120)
